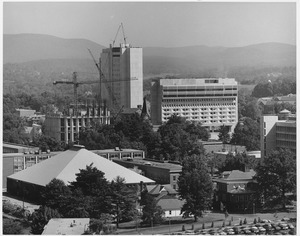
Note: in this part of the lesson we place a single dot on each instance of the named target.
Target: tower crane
(76, 84)
(121, 26)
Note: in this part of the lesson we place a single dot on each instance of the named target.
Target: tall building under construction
(123, 64)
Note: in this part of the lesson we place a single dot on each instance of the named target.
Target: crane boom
(121, 26)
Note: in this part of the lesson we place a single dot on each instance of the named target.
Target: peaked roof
(240, 175)
(65, 165)
(236, 175)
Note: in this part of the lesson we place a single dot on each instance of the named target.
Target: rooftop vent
(77, 147)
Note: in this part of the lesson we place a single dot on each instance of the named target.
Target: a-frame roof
(66, 165)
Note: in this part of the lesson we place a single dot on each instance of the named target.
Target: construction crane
(121, 26)
(108, 88)
(76, 84)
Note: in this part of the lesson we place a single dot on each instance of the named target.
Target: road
(218, 219)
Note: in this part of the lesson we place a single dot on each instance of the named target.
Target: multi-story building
(235, 191)
(211, 101)
(278, 131)
(124, 64)
(67, 127)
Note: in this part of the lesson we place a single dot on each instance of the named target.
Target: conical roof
(66, 165)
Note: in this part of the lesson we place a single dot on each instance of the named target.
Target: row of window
(199, 95)
(205, 110)
(286, 136)
(197, 89)
(196, 118)
(199, 105)
(286, 129)
(282, 143)
(200, 100)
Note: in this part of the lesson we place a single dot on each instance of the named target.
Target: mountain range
(35, 48)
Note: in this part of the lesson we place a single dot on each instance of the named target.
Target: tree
(179, 138)
(276, 176)
(40, 218)
(195, 186)
(124, 199)
(11, 226)
(247, 133)
(238, 161)
(152, 213)
(45, 142)
(224, 135)
(92, 192)
(56, 195)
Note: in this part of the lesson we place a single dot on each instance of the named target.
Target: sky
(157, 24)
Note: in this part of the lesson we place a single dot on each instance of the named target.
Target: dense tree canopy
(233, 161)
(91, 195)
(276, 176)
(246, 133)
(178, 138)
(195, 186)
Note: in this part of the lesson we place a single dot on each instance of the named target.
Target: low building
(278, 131)
(15, 162)
(167, 199)
(161, 172)
(18, 148)
(235, 191)
(66, 226)
(64, 166)
(28, 156)
(120, 153)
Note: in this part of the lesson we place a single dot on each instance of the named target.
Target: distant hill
(34, 61)
(198, 58)
(32, 47)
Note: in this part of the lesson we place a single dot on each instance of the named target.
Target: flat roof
(113, 150)
(66, 226)
(17, 146)
(164, 165)
(197, 81)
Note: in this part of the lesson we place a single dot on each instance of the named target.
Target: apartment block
(211, 101)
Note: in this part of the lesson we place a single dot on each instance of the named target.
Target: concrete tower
(124, 63)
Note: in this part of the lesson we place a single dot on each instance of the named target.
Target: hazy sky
(165, 24)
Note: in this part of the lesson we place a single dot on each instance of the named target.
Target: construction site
(120, 87)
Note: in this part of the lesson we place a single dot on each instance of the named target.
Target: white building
(124, 63)
(278, 131)
(211, 101)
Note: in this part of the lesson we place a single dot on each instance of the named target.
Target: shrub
(11, 227)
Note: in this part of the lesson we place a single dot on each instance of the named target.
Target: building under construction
(66, 127)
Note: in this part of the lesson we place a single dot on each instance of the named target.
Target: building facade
(65, 128)
(278, 131)
(124, 64)
(160, 172)
(211, 101)
(235, 191)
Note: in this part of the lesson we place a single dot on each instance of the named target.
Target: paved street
(218, 219)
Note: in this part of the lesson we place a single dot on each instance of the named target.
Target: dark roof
(170, 204)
